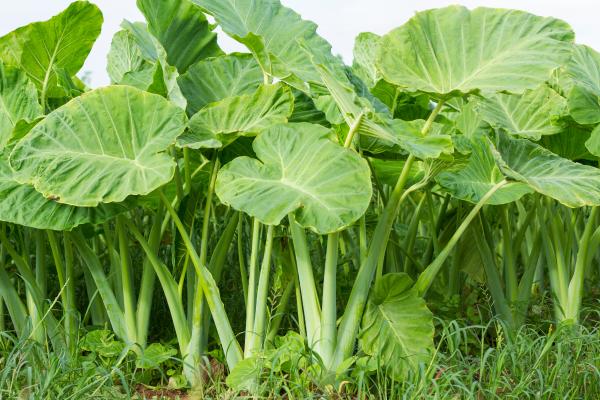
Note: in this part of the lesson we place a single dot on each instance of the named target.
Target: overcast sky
(339, 20)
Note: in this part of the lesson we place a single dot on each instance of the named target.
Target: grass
(471, 362)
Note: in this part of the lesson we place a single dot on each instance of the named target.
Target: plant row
(461, 147)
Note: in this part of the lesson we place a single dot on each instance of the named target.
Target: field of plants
(421, 224)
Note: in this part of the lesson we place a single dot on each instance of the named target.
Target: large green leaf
(397, 327)
(481, 174)
(531, 115)
(101, 147)
(300, 171)
(182, 29)
(454, 50)
(231, 75)
(23, 205)
(572, 184)
(18, 101)
(584, 97)
(62, 42)
(222, 122)
(276, 35)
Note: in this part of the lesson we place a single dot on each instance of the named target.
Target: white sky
(339, 20)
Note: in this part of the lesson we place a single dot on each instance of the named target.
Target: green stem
(308, 289)
(493, 280)
(216, 266)
(2, 320)
(114, 311)
(252, 283)
(187, 169)
(353, 129)
(24, 270)
(126, 280)
(207, 207)
(231, 347)
(329, 315)
(411, 235)
(241, 257)
(72, 317)
(561, 246)
(42, 320)
(363, 244)
(526, 282)
(199, 328)
(432, 222)
(552, 266)
(41, 271)
(510, 270)
(177, 176)
(575, 294)
(14, 305)
(169, 286)
(298, 294)
(67, 295)
(431, 245)
(426, 277)
(262, 295)
(146, 294)
(115, 262)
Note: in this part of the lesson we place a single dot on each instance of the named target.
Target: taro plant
(343, 199)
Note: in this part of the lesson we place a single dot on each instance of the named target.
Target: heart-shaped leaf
(453, 50)
(300, 171)
(101, 147)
